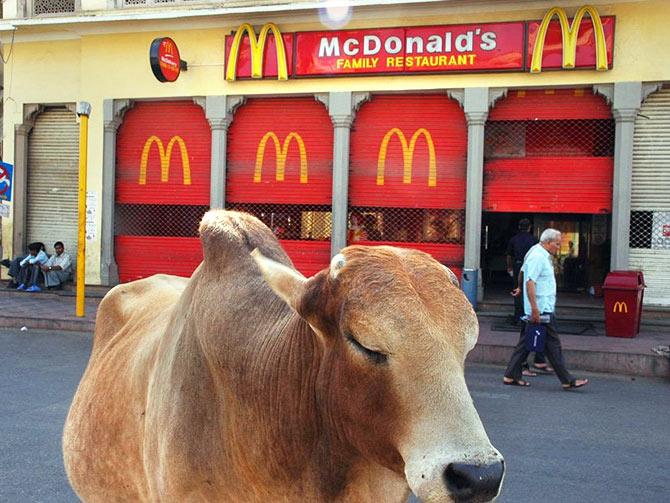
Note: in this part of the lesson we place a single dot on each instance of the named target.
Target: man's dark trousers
(29, 274)
(518, 307)
(552, 350)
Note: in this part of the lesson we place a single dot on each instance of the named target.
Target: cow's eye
(373, 356)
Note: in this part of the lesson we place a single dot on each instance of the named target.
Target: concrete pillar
(476, 107)
(625, 107)
(21, 135)
(342, 107)
(112, 116)
(216, 111)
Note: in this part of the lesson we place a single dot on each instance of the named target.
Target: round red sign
(164, 59)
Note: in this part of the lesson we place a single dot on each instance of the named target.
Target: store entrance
(583, 259)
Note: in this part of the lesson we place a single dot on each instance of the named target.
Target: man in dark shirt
(516, 251)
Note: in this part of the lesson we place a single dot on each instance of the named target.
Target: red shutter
(410, 192)
(550, 104)
(549, 151)
(165, 121)
(279, 168)
(162, 188)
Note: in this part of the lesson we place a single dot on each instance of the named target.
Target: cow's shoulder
(145, 298)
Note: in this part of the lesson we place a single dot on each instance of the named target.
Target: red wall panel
(550, 104)
(164, 120)
(143, 256)
(309, 257)
(549, 185)
(305, 117)
(567, 165)
(443, 119)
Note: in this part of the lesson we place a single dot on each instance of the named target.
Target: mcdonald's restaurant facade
(438, 130)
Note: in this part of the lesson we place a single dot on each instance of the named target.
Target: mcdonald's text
(438, 48)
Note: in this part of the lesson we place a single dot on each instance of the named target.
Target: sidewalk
(594, 352)
(52, 311)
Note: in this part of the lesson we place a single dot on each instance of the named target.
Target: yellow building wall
(110, 61)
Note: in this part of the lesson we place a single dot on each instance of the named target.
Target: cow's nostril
(473, 483)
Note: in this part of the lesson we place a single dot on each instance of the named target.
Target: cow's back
(103, 433)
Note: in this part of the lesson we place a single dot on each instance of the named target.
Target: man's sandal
(528, 373)
(574, 384)
(514, 382)
(546, 369)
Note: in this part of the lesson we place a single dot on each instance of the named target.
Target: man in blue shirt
(30, 268)
(539, 296)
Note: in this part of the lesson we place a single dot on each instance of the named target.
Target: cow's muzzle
(473, 483)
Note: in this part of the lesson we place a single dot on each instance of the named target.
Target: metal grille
(650, 229)
(292, 221)
(158, 220)
(408, 225)
(549, 138)
(52, 6)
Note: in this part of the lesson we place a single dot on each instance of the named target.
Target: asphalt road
(607, 442)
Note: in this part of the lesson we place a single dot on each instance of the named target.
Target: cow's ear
(284, 281)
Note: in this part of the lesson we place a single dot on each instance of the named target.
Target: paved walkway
(593, 352)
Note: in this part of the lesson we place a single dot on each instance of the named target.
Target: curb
(74, 325)
(641, 365)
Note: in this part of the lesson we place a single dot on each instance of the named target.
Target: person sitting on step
(57, 269)
(29, 272)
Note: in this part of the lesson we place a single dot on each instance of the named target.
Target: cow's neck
(287, 406)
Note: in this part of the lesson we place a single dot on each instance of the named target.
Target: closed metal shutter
(549, 151)
(162, 188)
(279, 168)
(53, 173)
(407, 175)
(650, 197)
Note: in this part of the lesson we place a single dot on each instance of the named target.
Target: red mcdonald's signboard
(461, 48)
(585, 41)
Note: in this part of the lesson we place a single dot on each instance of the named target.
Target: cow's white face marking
(336, 265)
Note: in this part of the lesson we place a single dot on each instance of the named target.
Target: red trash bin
(624, 291)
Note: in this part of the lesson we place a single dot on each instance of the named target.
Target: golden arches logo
(280, 152)
(165, 155)
(569, 35)
(169, 48)
(257, 50)
(407, 155)
(620, 307)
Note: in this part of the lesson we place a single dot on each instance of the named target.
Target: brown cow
(238, 385)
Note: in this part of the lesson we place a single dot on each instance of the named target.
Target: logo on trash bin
(620, 307)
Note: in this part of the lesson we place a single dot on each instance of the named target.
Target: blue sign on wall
(6, 181)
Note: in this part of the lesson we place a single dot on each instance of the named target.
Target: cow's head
(396, 329)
